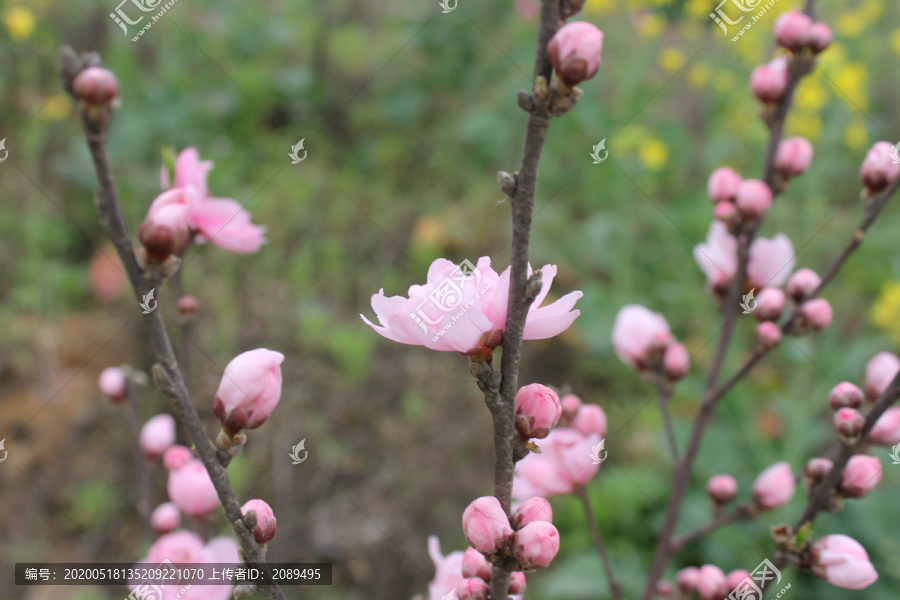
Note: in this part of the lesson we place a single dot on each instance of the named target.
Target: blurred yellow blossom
(19, 21)
(699, 8)
(811, 95)
(886, 310)
(895, 41)
(698, 75)
(654, 154)
(851, 80)
(724, 81)
(651, 25)
(809, 125)
(856, 136)
(600, 7)
(671, 59)
(56, 108)
(850, 24)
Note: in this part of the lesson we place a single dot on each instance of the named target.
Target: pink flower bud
(191, 489)
(768, 334)
(845, 394)
(770, 304)
(486, 526)
(794, 156)
(264, 530)
(114, 384)
(792, 30)
(726, 212)
(820, 37)
(711, 583)
(537, 411)
(723, 184)
(721, 488)
(887, 428)
(175, 456)
(774, 486)
(165, 228)
(817, 468)
(860, 476)
(187, 304)
(769, 81)
(95, 85)
(880, 371)
(570, 404)
(754, 198)
(848, 422)
(735, 578)
(574, 51)
(157, 436)
(802, 284)
(676, 361)
(165, 518)
(535, 545)
(474, 564)
(472, 589)
(590, 419)
(664, 589)
(533, 509)
(517, 582)
(687, 579)
(878, 170)
(817, 313)
(639, 335)
(842, 561)
(249, 391)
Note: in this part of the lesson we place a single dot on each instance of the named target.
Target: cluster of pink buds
(796, 31)
(476, 572)
(643, 340)
(880, 168)
(529, 536)
(574, 51)
(708, 581)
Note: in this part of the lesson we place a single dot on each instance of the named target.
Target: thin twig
(741, 512)
(142, 479)
(666, 389)
(614, 586)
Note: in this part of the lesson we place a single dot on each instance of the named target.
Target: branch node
(507, 182)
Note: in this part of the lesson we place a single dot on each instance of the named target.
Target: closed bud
(711, 583)
(774, 487)
(114, 384)
(486, 525)
(187, 305)
(95, 86)
(721, 488)
(590, 419)
(769, 81)
(533, 509)
(249, 390)
(794, 156)
(726, 212)
(687, 579)
(574, 52)
(886, 431)
(842, 561)
(192, 490)
(535, 545)
(736, 577)
(792, 30)
(538, 410)
(880, 371)
(474, 564)
(802, 284)
(770, 304)
(165, 230)
(820, 37)
(817, 313)
(472, 589)
(676, 361)
(754, 198)
(848, 422)
(816, 469)
(723, 184)
(165, 518)
(517, 582)
(878, 170)
(860, 476)
(265, 527)
(845, 394)
(157, 435)
(570, 404)
(176, 456)
(768, 334)
(664, 589)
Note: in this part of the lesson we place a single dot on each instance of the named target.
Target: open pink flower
(463, 309)
(187, 547)
(771, 260)
(563, 465)
(638, 333)
(222, 221)
(447, 570)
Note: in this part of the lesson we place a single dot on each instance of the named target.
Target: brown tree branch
(615, 587)
(741, 512)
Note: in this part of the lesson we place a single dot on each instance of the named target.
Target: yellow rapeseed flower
(811, 95)
(671, 59)
(856, 136)
(850, 24)
(19, 21)
(651, 25)
(809, 125)
(895, 41)
(851, 81)
(654, 154)
(699, 75)
(600, 7)
(886, 310)
(699, 8)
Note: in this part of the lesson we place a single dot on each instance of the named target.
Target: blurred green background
(407, 114)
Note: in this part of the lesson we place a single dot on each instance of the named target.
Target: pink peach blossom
(165, 229)
(736, 577)
(676, 361)
(638, 334)
(712, 584)
(774, 487)
(589, 419)
(533, 509)
(574, 51)
(848, 421)
(817, 312)
(770, 303)
(95, 86)
(265, 520)
(114, 383)
(474, 564)
(820, 37)
(192, 490)
(535, 545)
(768, 334)
(792, 30)
(687, 579)
(754, 198)
(165, 518)
(802, 284)
(157, 435)
(486, 525)
(537, 411)
(723, 184)
(563, 466)
(794, 156)
(771, 260)
(880, 371)
(249, 390)
(845, 394)
(769, 81)
(465, 310)
(721, 488)
(886, 431)
(842, 561)
(176, 456)
(447, 570)
(860, 476)
(878, 170)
